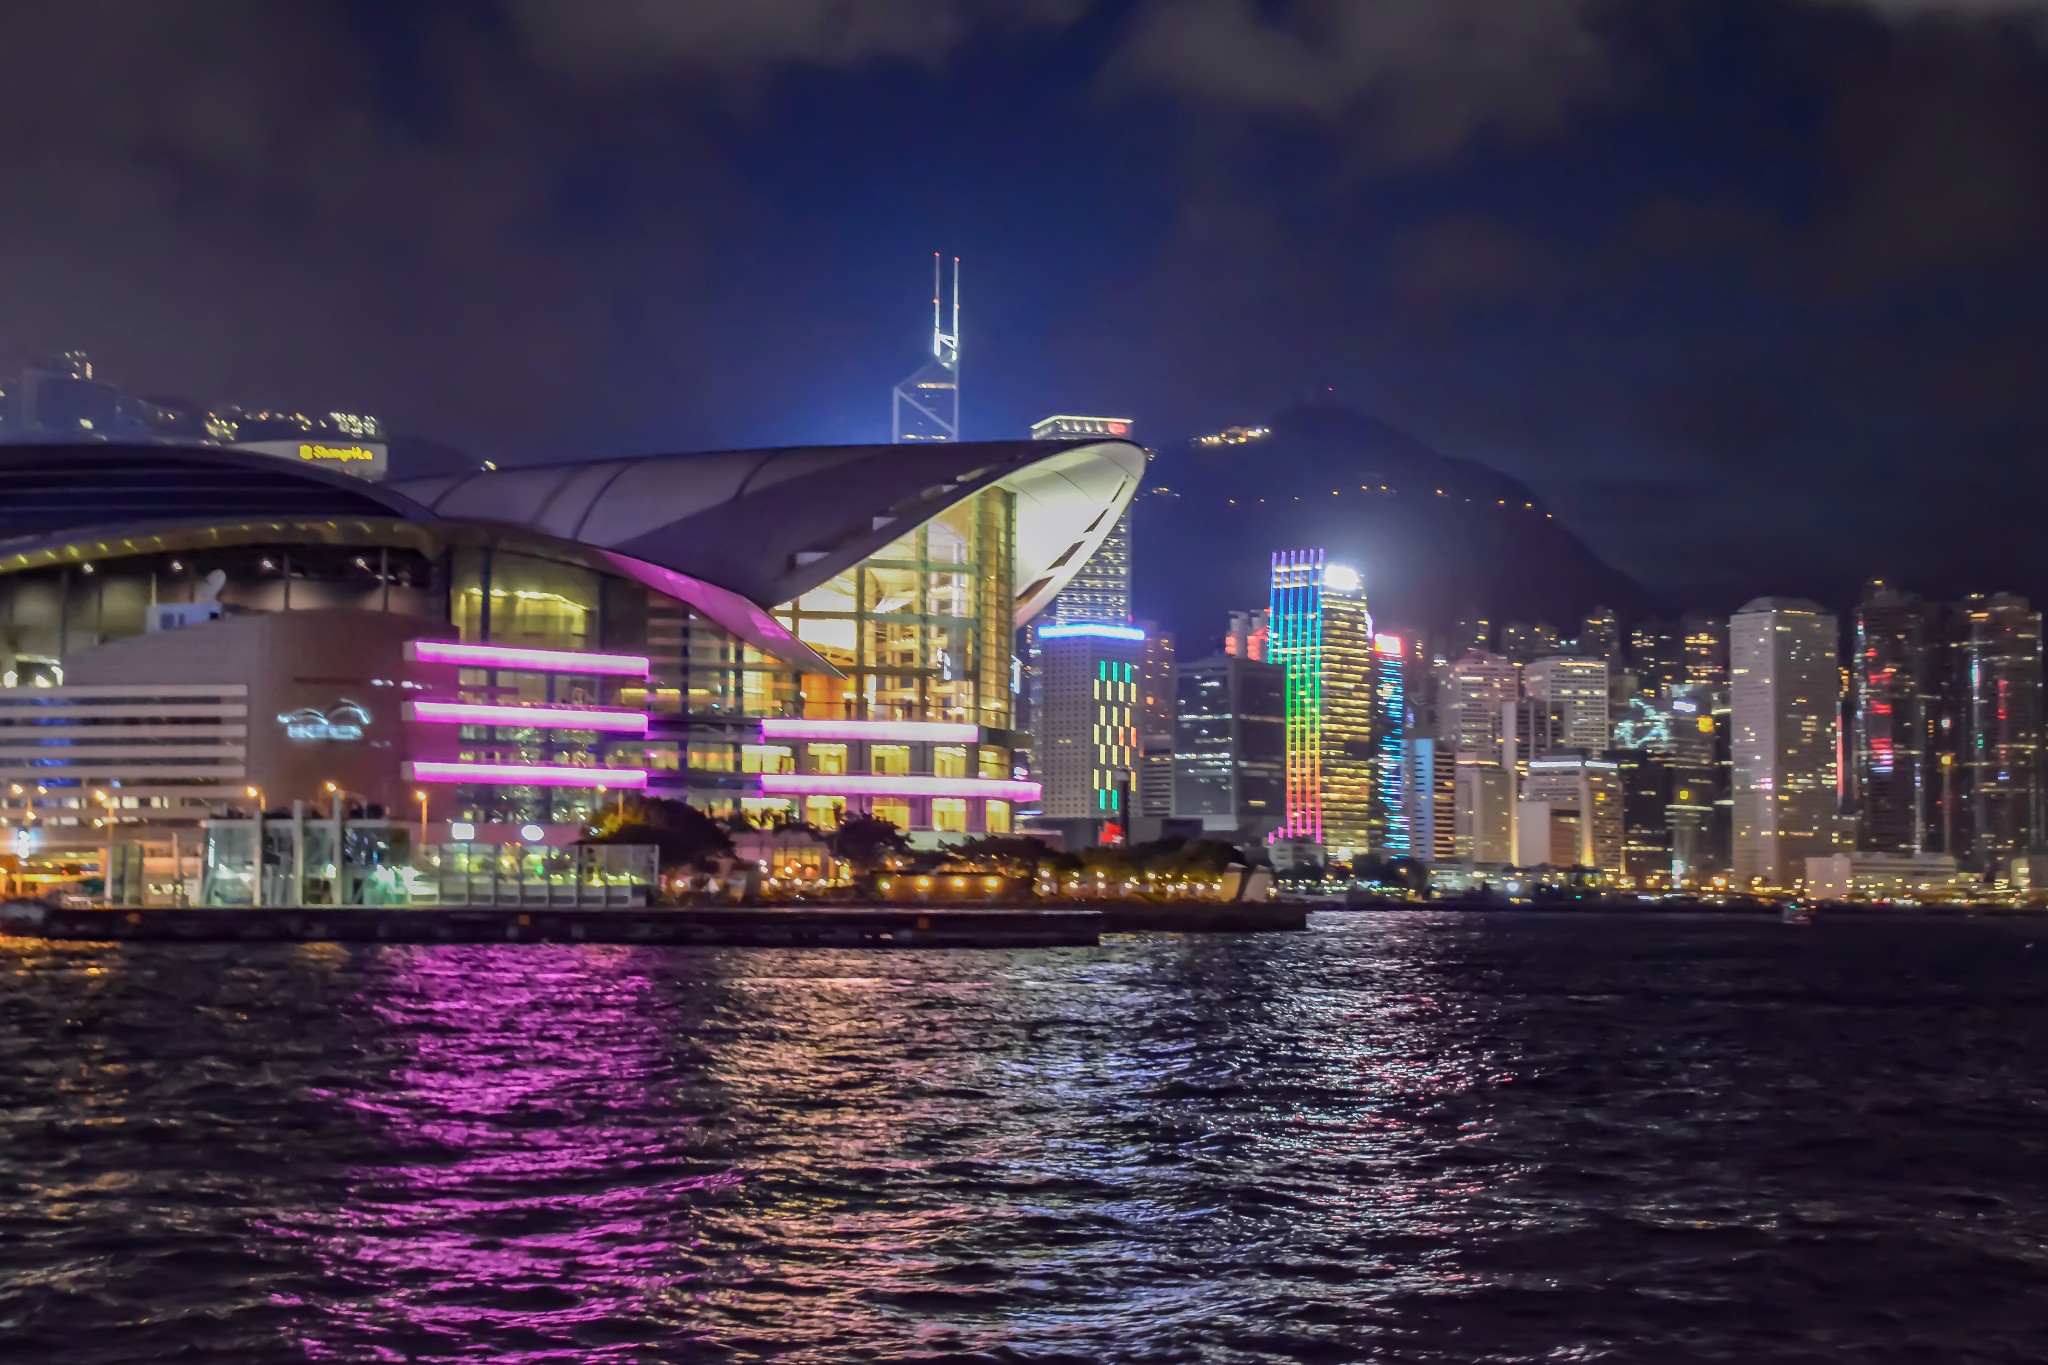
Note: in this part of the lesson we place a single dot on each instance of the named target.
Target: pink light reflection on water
(532, 1184)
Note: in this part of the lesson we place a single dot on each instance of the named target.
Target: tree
(684, 835)
(868, 843)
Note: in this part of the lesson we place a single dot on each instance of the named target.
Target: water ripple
(1399, 1137)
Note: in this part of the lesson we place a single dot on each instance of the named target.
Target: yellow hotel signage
(338, 454)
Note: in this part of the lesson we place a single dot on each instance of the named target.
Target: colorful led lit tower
(1088, 752)
(1390, 744)
(1321, 633)
(926, 406)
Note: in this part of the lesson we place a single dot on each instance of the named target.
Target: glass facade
(921, 628)
(922, 631)
(1322, 635)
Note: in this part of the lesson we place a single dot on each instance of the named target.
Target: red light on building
(1119, 428)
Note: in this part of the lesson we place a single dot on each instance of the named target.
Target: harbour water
(1404, 1136)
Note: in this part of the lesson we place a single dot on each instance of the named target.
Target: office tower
(1570, 814)
(1155, 729)
(1101, 590)
(1322, 635)
(1888, 721)
(2002, 748)
(1473, 634)
(1480, 684)
(1247, 635)
(1600, 637)
(926, 406)
(1666, 745)
(1578, 688)
(1946, 729)
(1099, 594)
(1230, 746)
(1649, 786)
(1087, 752)
(1432, 816)
(1706, 649)
(1530, 728)
(1657, 655)
(1483, 831)
(1785, 684)
(1390, 735)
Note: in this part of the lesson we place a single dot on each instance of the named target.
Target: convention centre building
(804, 632)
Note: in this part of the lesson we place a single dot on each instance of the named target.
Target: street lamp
(421, 797)
(256, 794)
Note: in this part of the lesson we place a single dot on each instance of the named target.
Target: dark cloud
(1719, 258)
(611, 36)
(1426, 73)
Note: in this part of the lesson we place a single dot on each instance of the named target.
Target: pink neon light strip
(886, 731)
(526, 775)
(528, 717)
(861, 784)
(527, 660)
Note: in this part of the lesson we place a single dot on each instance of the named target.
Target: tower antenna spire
(926, 406)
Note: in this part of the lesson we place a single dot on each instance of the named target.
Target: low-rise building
(1869, 876)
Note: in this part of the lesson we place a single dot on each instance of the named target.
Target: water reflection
(535, 1180)
(1402, 1137)
(1087, 1148)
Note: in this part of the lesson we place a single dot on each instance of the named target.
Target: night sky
(1754, 292)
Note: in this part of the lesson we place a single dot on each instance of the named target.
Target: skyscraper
(1657, 655)
(1472, 634)
(1099, 594)
(1247, 635)
(1431, 783)
(1668, 746)
(1600, 637)
(1483, 830)
(1390, 735)
(2002, 749)
(1587, 793)
(1888, 721)
(1101, 591)
(1322, 635)
(1155, 730)
(1230, 746)
(1087, 751)
(926, 406)
(1786, 686)
(1706, 649)
(1578, 688)
(1480, 685)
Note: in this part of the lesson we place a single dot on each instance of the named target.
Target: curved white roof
(772, 524)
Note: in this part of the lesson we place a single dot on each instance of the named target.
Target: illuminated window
(896, 812)
(828, 758)
(994, 762)
(712, 758)
(949, 814)
(824, 811)
(996, 817)
(890, 760)
(949, 760)
(766, 758)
